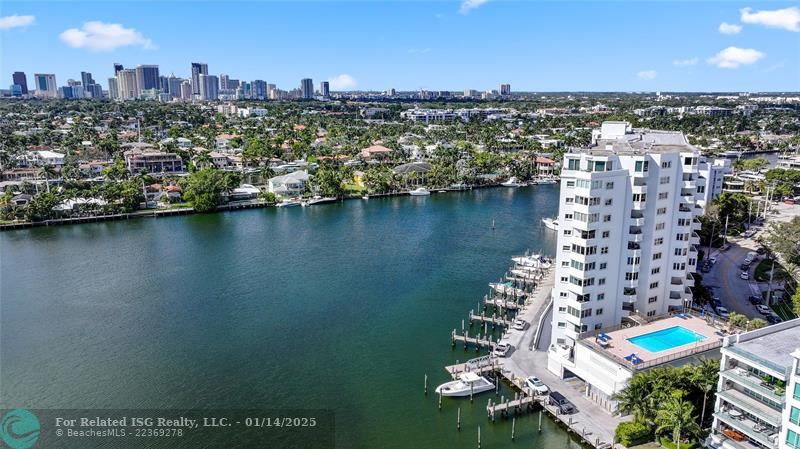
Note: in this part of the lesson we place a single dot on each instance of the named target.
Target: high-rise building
(223, 81)
(174, 86)
(113, 93)
(271, 88)
(627, 240)
(258, 89)
(186, 90)
(324, 89)
(22, 80)
(758, 397)
(86, 78)
(233, 84)
(45, 85)
(147, 78)
(391, 92)
(307, 88)
(117, 68)
(163, 84)
(505, 89)
(198, 68)
(209, 87)
(470, 93)
(127, 88)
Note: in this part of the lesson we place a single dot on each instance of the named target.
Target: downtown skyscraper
(198, 68)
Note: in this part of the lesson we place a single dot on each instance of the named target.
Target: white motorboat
(288, 203)
(547, 181)
(420, 191)
(467, 384)
(316, 199)
(512, 182)
(550, 223)
(534, 261)
(506, 288)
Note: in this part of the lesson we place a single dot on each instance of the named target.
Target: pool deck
(620, 347)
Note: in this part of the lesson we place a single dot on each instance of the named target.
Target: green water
(343, 307)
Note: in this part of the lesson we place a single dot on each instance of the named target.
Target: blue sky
(437, 45)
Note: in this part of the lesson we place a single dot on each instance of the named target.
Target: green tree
(47, 171)
(204, 188)
(41, 206)
(704, 377)
(676, 416)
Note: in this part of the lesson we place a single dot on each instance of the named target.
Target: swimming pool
(665, 339)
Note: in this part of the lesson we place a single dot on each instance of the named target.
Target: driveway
(724, 277)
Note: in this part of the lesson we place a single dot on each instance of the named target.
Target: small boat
(550, 223)
(507, 289)
(365, 197)
(534, 261)
(419, 191)
(443, 191)
(288, 203)
(467, 384)
(512, 182)
(547, 181)
(459, 186)
(524, 275)
(316, 199)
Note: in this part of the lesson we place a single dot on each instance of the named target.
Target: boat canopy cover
(469, 377)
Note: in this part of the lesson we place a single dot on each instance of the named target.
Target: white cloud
(419, 50)
(469, 5)
(733, 57)
(15, 21)
(787, 18)
(100, 36)
(685, 62)
(647, 74)
(729, 28)
(342, 82)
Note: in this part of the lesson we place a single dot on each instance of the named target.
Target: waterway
(342, 307)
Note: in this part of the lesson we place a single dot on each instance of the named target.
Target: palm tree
(634, 399)
(47, 171)
(677, 416)
(705, 376)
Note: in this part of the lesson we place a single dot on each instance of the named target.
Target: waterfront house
(152, 161)
(375, 152)
(544, 166)
(413, 173)
(292, 184)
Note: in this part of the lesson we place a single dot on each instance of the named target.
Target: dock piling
(458, 422)
(540, 421)
(440, 400)
(426, 384)
(513, 424)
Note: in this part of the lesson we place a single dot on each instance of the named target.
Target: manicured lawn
(763, 268)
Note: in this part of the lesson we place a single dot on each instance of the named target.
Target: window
(570, 183)
(794, 415)
(603, 265)
(655, 270)
(601, 296)
(604, 250)
(606, 234)
(598, 311)
(680, 251)
(599, 165)
(632, 276)
(661, 211)
(608, 202)
(659, 226)
(792, 439)
(656, 256)
(567, 231)
(633, 260)
(679, 266)
(565, 248)
(661, 196)
(569, 216)
(573, 164)
(666, 164)
(564, 263)
(658, 241)
(654, 284)
(586, 313)
(601, 281)
(609, 185)
(563, 295)
(561, 325)
(637, 197)
(564, 279)
(651, 313)
(589, 266)
(689, 161)
(663, 180)
(569, 200)
(652, 299)
(598, 326)
(606, 218)
(577, 265)
(797, 390)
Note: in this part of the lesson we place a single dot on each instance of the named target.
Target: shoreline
(152, 213)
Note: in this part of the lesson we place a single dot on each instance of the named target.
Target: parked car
(744, 275)
(772, 319)
(520, 324)
(502, 349)
(754, 299)
(712, 260)
(536, 385)
(717, 302)
(723, 312)
(764, 310)
(562, 404)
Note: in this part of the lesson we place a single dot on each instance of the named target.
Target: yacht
(288, 203)
(534, 261)
(467, 384)
(507, 289)
(550, 223)
(512, 182)
(316, 199)
(419, 191)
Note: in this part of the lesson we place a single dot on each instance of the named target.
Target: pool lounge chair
(630, 357)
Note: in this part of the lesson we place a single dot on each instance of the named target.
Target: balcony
(628, 307)
(639, 205)
(634, 246)
(694, 238)
(756, 431)
(684, 208)
(638, 189)
(753, 383)
(635, 230)
(675, 295)
(752, 406)
(676, 281)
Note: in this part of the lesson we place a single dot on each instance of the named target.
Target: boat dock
(501, 303)
(494, 320)
(520, 404)
(476, 340)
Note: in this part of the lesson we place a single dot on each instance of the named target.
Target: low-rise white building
(292, 184)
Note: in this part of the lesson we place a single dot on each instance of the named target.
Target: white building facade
(627, 233)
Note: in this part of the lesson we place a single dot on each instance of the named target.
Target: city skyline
(703, 47)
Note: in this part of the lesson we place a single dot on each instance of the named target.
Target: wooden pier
(493, 320)
(520, 404)
(476, 340)
(455, 370)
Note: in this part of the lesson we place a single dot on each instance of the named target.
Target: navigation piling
(513, 424)
(426, 384)
(440, 401)
(458, 422)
